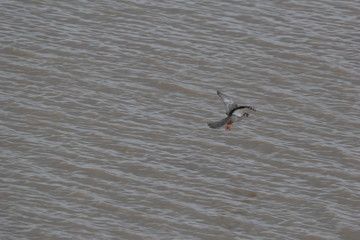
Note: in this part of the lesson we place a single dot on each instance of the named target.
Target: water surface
(104, 111)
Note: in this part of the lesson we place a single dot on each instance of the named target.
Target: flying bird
(234, 112)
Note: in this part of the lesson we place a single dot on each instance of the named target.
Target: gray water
(104, 112)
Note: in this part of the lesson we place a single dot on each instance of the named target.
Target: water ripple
(104, 112)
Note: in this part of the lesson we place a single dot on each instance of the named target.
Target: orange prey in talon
(228, 125)
(234, 113)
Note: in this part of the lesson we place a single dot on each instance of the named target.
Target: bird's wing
(242, 107)
(229, 104)
(248, 107)
(219, 123)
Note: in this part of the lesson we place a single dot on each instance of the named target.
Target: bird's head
(246, 115)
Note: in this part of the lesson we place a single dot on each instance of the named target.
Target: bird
(234, 112)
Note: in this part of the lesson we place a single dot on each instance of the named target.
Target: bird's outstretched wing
(230, 105)
(241, 107)
(219, 123)
(224, 121)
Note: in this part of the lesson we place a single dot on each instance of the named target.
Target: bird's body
(233, 111)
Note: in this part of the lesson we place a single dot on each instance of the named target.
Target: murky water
(104, 112)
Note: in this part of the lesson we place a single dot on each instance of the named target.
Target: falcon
(234, 112)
